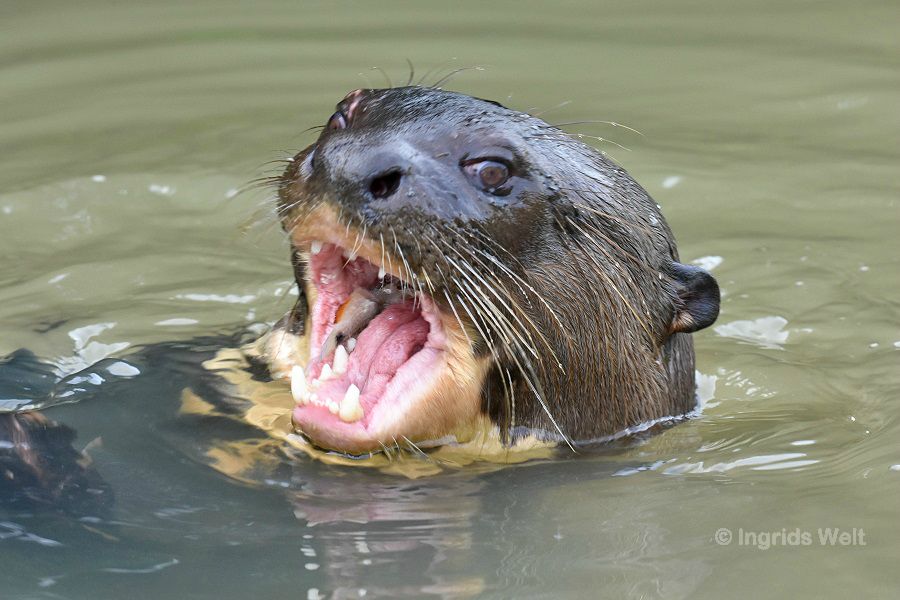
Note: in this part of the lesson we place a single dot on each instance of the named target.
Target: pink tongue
(384, 345)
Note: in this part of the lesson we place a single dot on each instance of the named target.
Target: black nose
(386, 184)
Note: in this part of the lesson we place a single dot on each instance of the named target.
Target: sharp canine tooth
(340, 360)
(381, 273)
(326, 373)
(315, 247)
(298, 385)
(351, 410)
(351, 344)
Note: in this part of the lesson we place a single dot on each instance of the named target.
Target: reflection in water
(363, 528)
(391, 539)
(381, 531)
(25, 381)
(39, 468)
(405, 526)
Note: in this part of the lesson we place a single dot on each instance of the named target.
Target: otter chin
(459, 264)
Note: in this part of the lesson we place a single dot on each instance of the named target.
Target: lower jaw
(326, 431)
(444, 408)
(395, 420)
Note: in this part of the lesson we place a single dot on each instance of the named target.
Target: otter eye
(337, 121)
(489, 174)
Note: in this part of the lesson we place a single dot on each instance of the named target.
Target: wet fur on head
(569, 287)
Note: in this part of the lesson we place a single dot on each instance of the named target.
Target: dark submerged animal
(551, 273)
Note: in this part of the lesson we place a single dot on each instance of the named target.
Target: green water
(769, 136)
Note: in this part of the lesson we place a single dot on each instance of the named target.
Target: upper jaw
(323, 225)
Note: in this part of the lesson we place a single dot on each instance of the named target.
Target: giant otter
(461, 263)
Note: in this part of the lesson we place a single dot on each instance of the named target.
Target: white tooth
(315, 247)
(340, 360)
(351, 410)
(350, 255)
(351, 344)
(314, 398)
(298, 385)
(381, 273)
(333, 407)
(326, 373)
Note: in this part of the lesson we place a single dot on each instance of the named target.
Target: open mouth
(377, 352)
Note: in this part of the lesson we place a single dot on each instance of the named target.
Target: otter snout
(377, 180)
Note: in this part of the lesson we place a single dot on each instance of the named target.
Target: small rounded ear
(697, 298)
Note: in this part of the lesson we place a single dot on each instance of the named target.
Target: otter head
(459, 261)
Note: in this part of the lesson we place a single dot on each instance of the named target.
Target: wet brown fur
(570, 290)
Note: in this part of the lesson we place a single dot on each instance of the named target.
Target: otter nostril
(386, 184)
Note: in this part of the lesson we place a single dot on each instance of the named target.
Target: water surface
(769, 136)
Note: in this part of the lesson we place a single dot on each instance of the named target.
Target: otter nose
(386, 183)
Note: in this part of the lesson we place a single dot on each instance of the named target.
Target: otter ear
(697, 298)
